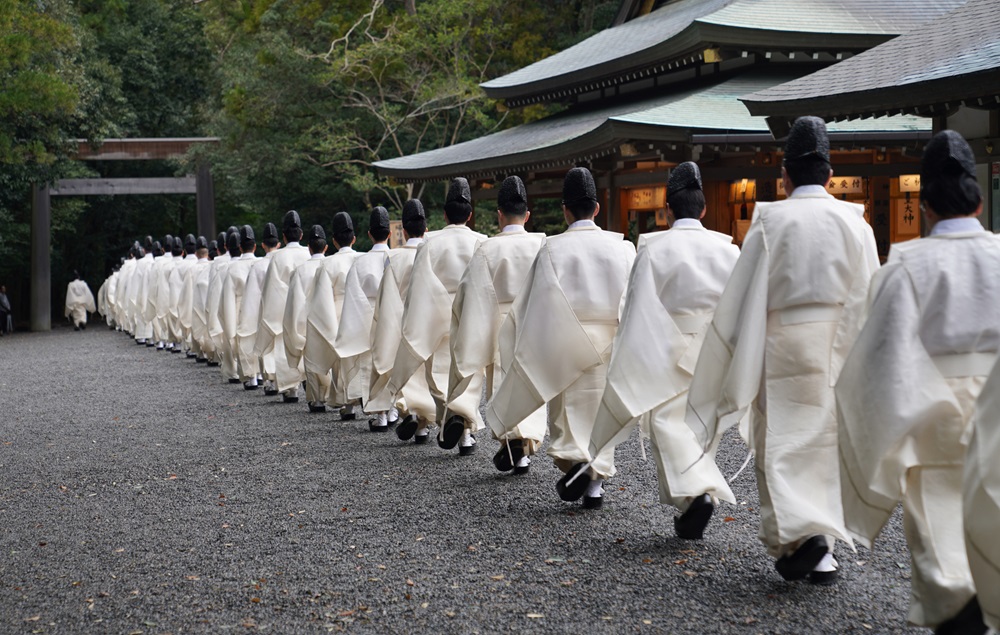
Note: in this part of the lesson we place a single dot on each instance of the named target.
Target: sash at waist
(965, 364)
(689, 324)
(804, 313)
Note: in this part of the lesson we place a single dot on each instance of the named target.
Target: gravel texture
(141, 493)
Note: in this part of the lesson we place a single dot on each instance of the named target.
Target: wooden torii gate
(111, 150)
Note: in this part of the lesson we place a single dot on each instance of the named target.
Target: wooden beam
(138, 149)
(119, 187)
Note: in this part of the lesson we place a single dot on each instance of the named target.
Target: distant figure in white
(79, 301)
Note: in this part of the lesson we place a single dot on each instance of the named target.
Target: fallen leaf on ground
(33, 618)
(535, 616)
(690, 573)
(171, 477)
(496, 577)
(192, 577)
(728, 519)
(410, 582)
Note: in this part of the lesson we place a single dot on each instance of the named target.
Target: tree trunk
(411, 7)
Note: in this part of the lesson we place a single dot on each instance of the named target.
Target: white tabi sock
(252, 382)
(595, 489)
(393, 415)
(422, 433)
(828, 563)
(380, 420)
(467, 440)
(347, 410)
(523, 462)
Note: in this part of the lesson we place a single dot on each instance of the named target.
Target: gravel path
(140, 493)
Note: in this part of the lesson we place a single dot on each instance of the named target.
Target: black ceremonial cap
(512, 192)
(148, 243)
(807, 139)
(190, 244)
(947, 155)
(342, 222)
(213, 249)
(233, 243)
(178, 244)
(220, 239)
(270, 231)
(316, 233)
(684, 176)
(246, 233)
(579, 186)
(168, 241)
(379, 219)
(413, 208)
(136, 249)
(459, 191)
(291, 220)
(157, 247)
(201, 243)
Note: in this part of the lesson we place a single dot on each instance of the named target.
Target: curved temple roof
(579, 135)
(953, 60)
(684, 26)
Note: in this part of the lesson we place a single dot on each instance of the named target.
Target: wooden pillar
(205, 201)
(41, 264)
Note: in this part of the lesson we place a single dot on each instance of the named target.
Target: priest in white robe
(676, 282)
(159, 291)
(907, 393)
(981, 503)
(488, 289)
(178, 279)
(192, 303)
(293, 332)
(781, 330)
(139, 296)
(274, 294)
(121, 304)
(560, 330)
(352, 346)
(414, 400)
(79, 302)
(437, 269)
(233, 287)
(253, 366)
(325, 301)
(229, 250)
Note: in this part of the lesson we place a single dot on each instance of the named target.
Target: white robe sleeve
(354, 332)
(426, 320)
(246, 326)
(322, 324)
(387, 324)
(645, 369)
(550, 352)
(890, 395)
(227, 309)
(475, 322)
(294, 320)
(728, 373)
(272, 310)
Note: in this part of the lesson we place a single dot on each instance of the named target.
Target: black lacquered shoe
(452, 434)
(508, 455)
(593, 502)
(968, 621)
(406, 430)
(573, 491)
(691, 524)
(800, 563)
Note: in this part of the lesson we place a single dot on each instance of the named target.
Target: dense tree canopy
(304, 94)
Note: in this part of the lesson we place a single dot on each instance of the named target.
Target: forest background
(304, 96)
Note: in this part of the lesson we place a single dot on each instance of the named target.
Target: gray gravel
(140, 493)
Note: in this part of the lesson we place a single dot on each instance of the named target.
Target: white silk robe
(159, 296)
(178, 279)
(233, 289)
(79, 301)
(139, 297)
(246, 327)
(675, 284)
(352, 346)
(781, 330)
(274, 293)
(293, 323)
(981, 499)
(220, 353)
(387, 328)
(905, 399)
(111, 294)
(188, 314)
(559, 332)
(121, 301)
(437, 269)
(325, 302)
(488, 289)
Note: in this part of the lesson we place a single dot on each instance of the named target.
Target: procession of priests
(856, 387)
